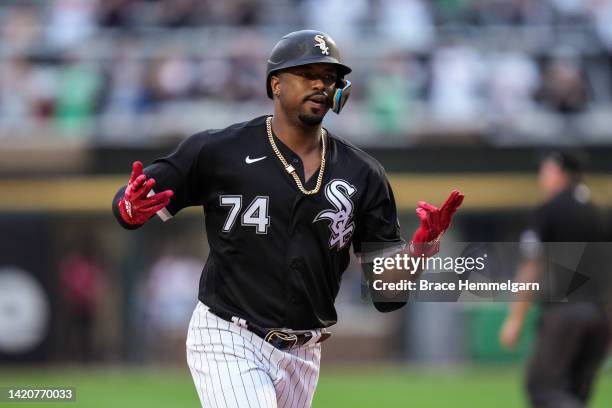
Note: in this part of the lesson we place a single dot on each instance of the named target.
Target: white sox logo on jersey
(341, 225)
(320, 42)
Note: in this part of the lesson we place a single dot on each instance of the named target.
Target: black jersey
(276, 255)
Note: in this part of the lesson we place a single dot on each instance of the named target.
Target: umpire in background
(573, 337)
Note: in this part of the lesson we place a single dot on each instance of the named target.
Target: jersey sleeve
(185, 171)
(378, 230)
(378, 233)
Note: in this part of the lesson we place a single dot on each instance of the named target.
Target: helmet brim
(342, 69)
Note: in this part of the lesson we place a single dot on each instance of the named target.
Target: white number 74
(256, 214)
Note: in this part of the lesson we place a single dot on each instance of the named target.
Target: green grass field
(338, 387)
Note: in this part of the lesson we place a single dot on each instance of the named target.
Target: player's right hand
(136, 206)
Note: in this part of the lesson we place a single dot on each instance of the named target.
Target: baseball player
(284, 202)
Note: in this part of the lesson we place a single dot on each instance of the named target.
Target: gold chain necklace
(289, 168)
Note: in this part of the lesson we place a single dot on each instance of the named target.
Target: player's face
(304, 92)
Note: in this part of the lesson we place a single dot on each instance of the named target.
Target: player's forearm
(397, 275)
(396, 299)
(411, 273)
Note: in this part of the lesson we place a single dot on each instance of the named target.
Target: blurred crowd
(91, 69)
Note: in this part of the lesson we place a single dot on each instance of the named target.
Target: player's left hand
(434, 221)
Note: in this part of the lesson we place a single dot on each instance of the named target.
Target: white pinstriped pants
(233, 367)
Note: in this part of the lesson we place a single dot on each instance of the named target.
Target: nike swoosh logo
(248, 160)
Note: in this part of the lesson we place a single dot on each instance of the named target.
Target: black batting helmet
(302, 48)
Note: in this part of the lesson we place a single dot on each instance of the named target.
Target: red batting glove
(136, 207)
(434, 221)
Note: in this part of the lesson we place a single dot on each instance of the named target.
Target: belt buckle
(279, 339)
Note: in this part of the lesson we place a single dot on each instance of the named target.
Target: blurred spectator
(570, 11)
(246, 81)
(563, 88)
(20, 29)
(247, 78)
(171, 77)
(115, 13)
(124, 93)
(391, 90)
(409, 22)
(181, 13)
(41, 88)
(445, 11)
(71, 21)
(27, 94)
(231, 13)
(508, 12)
(78, 88)
(80, 279)
(601, 12)
(335, 18)
(213, 75)
(14, 101)
(238, 77)
(457, 75)
(513, 81)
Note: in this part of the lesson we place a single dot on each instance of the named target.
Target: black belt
(280, 338)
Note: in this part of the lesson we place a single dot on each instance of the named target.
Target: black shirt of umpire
(276, 255)
(570, 216)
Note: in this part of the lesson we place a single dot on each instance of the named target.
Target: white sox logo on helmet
(338, 193)
(320, 42)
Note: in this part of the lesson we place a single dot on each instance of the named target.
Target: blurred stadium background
(446, 94)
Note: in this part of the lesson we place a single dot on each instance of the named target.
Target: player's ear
(275, 85)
